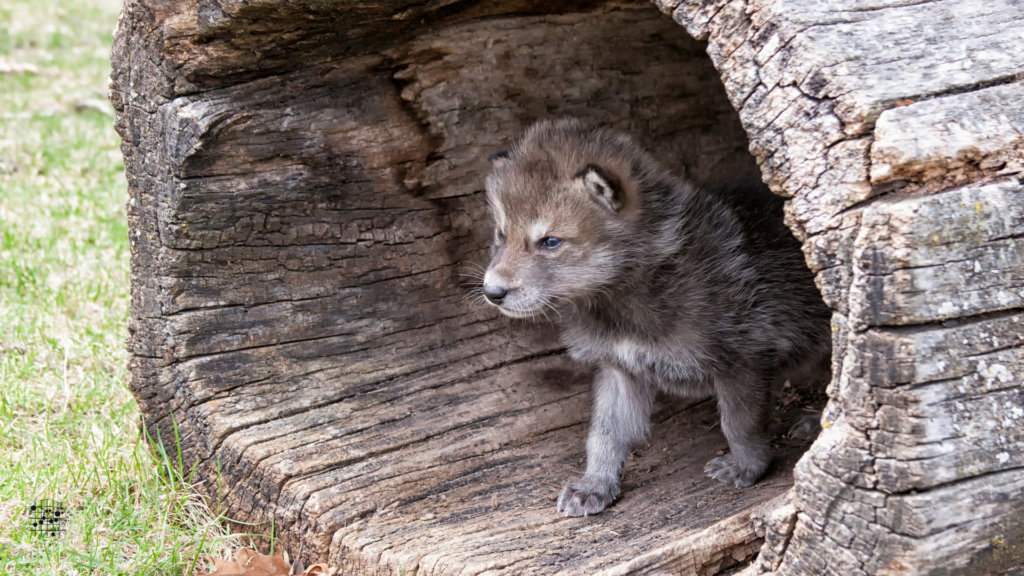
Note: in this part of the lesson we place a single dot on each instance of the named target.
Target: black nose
(494, 293)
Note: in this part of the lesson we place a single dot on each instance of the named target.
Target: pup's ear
(498, 159)
(603, 187)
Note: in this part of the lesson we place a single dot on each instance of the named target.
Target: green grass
(69, 428)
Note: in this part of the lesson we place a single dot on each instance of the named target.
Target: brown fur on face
(549, 186)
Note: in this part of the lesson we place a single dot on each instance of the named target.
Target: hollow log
(305, 185)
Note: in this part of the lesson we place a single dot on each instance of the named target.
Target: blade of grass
(69, 427)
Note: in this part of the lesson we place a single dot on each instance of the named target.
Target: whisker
(554, 309)
(470, 265)
(544, 312)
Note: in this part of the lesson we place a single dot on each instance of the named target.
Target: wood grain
(893, 129)
(306, 214)
(304, 185)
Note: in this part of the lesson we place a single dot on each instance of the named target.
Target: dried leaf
(261, 564)
(250, 563)
(223, 568)
(319, 570)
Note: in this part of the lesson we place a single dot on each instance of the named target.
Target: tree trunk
(895, 132)
(305, 183)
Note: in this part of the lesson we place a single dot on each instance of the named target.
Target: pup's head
(565, 205)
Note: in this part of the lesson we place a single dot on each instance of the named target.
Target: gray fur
(661, 285)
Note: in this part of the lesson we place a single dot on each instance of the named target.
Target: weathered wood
(305, 198)
(894, 130)
(957, 139)
(712, 550)
(931, 258)
(304, 185)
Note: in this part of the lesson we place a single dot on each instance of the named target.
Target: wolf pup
(661, 285)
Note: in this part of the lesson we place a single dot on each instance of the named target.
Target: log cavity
(306, 193)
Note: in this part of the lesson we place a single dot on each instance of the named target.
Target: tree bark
(894, 130)
(305, 196)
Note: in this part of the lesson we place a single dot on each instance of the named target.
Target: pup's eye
(499, 235)
(550, 243)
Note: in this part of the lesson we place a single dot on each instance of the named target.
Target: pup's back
(776, 299)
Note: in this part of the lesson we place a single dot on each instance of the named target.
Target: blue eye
(550, 243)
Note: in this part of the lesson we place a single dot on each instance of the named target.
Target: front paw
(733, 470)
(586, 497)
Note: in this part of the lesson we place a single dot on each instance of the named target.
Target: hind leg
(745, 405)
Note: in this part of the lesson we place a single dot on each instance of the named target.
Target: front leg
(621, 416)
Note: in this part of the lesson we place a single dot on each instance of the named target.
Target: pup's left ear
(498, 159)
(603, 187)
